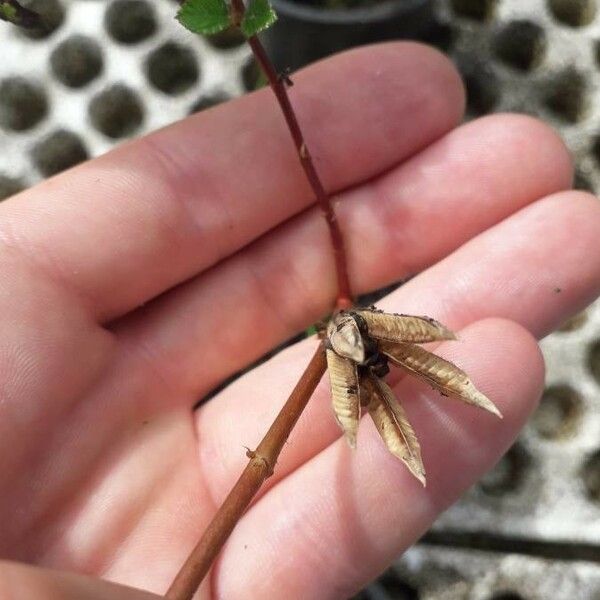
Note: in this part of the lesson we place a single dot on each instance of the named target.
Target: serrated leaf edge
(246, 26)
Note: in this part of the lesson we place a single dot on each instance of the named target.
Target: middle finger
(477, 175)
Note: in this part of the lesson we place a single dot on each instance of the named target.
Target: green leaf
(312, 330)
(204, 16)
(258, 16)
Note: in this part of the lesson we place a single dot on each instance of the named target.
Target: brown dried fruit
(345, 337)
(359, 344)
(393, 426)
(439, 373)
(404, 328)
(344, 394)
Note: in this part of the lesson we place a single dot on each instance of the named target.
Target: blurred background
(106, 71)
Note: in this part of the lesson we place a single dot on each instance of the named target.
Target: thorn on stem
(284, 77)
(252, 455)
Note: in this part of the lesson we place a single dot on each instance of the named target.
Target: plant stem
(278, 85)
(13, 12)
(263, 459)
(260, 467)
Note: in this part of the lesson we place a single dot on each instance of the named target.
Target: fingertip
(454, 85)
(538, 141)
(444, 76)
(508, 343)
(401, 77)
(585, 210)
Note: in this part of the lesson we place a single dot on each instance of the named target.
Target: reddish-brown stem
(261, 465)
(263, 459)
(278, 85)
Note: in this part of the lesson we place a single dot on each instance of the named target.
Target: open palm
(133, 285)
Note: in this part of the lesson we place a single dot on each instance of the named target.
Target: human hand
(134, 284)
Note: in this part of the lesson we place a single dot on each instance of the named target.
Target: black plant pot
(305, 33)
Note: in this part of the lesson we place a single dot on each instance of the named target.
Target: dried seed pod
(403, 328)
(345, 337)
(344, 394)
(393, 426)
(439, 373)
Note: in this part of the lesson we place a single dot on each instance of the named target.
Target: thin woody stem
(261, 465)
(263, 459)
(278, 85)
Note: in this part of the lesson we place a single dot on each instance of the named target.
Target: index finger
(123, 228)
